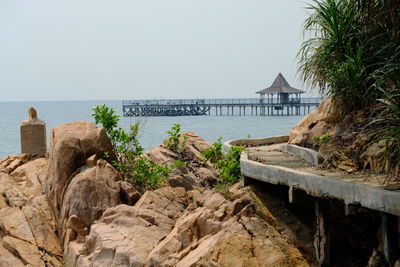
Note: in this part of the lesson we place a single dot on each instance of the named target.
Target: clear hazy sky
(130, 49)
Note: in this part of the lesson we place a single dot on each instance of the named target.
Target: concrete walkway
(272, 161)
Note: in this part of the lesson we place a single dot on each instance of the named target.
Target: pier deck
(219, 107)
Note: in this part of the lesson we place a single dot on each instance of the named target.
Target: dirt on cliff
(351, 144)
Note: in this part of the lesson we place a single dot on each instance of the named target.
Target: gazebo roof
(280, 85)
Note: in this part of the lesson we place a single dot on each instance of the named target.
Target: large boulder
(66, 157)
(92, 139)
(71, 144)
(88, 195)
(312, 125)
(198, 171)
(125, 235)
(79, 184)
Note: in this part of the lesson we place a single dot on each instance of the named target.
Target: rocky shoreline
(72, 208)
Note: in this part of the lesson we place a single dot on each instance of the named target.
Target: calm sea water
(153, 129)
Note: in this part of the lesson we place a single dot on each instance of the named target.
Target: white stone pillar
(33, 134)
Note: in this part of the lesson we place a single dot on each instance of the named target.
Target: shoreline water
(152, 129)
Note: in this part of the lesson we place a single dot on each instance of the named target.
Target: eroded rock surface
(79, 183)
(198, 172)
(175, 227)
(27, 229)
(312, 125)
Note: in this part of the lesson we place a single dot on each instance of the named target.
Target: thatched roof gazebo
(281, 88)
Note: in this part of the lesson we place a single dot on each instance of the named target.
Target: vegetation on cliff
(353, 56)
(136, 169)
(145, 174)
(228, 165)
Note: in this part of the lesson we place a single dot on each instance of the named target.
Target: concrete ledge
(368, 196)
(309, 155)
(257, 142)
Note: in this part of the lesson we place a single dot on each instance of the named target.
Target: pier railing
(232, 101)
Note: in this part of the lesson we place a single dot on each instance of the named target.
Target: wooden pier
(278, 99)
(219, 107)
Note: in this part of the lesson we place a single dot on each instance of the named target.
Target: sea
(152, 129)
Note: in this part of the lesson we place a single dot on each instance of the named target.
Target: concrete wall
(257, 142)
(309, 155)
(368, 196)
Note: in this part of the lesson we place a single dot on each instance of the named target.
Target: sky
(152, 49)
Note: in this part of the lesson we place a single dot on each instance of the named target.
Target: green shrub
(174, 138)
(179, 164)
(107, 117)
(143, 173)
(214, 153)
(353, 56)
(227, 165)
(350, 41)
(389, 130)
(134, 168)
(323, 138)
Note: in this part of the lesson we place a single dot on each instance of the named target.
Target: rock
(196, 141)
(38, 217)
(13, 222)
(192, 155)
(340, 161)
(25, 232)
(28, 253)
(10, 163)
(27, 227)
(373, 157)
(182, 225)
(73, 187)
(28, 179)
(125, 235)
(376, 259)
(89, 194)
(161, 155)
(15, 197)
(165, 200)
(208, 177)
(186, 181)
(36, 168)
(198, 172)
(75, 224)
(71, 144)
(93, 139)
(208, 198)
(3, 202)
(8, 259)
(92, 160)
(312, 125)
(325, 151)
(66, 156)
(207, 238)
(129, 195)
(160, 231)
